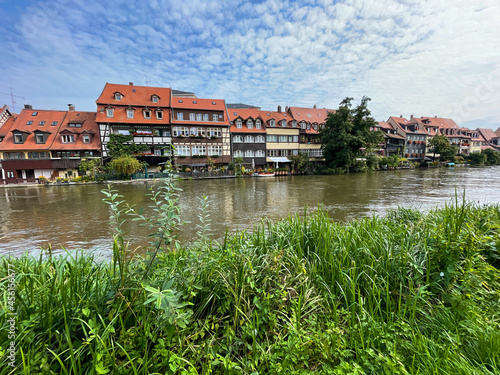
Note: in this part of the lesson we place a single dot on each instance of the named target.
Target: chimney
(435, 117)
(28, 106)
(315, 106)
(286, 109)
(279, 109)
(411, 117)
(131, 83)
(71, 108)
(400, 116)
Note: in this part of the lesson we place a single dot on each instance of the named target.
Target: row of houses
(178, 126)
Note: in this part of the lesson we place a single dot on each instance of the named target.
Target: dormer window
(18, 138)
(303, 125)
(110, 112)
(257, 124)
(40, 138)
(68, 138)
(86, 138)
(272, 123)
(294, 124)
(118, 96)
(154, 98)
(249, 124)
(283, 123)
(147, 113)
(315, 127)
(130, 113)
(308, 126)
(239, 124)
(159, 115)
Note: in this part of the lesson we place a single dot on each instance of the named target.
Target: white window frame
(283, 123)
(238, 154)
(260, 154)
(159, 115)
(213, 132)
(249, 154)
(147, 113)
(237, 139)
(180, 130)
(205, 117)
(192, 116)
(239, 124)
(154, 99)
(198, 150)
(215, 117)
(199, 117)
(214, 150)
(260, 139)
(249, 139)
(38, 140)
(183, 150)
(258, 124)
(272, 123)
(130, 113)
(68, 138)
(86, 138)
(249, 124)
(18, 139)
(180, 116)
(110, 112)
(118, 96)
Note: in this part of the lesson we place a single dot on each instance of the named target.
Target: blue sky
(427, 58)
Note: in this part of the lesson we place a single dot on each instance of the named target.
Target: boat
(267, 174)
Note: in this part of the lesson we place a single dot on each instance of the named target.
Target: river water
(74, 217)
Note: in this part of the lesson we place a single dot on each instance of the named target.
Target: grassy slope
(409, 294)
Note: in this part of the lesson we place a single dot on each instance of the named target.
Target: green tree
(477, 158)
(126, 165)
(301, 162)
(347, 132)
(238, 161)
(90, 165)
(492, 157)
(439, 144)
(120, 144)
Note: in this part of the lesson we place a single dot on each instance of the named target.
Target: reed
(409, 293)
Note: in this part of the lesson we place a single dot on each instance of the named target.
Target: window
(213, 132)
(34, 113)
(198, 117)
(41, 123)
(40, 138)
(295, 138)
(283, 123)
(118, 96)
(316, 153)
(272, 152)
(214, 150)
(38, 155)
(13, 155)
(283, 138)
(109, 112)
(249, 124)
(257, 124)
(68, 138)
(272, 123)
(180, 116)
(237, 139)
(260, 154)
(249, 139)
(272, 138)
(249, 154)
(183, 150)
(192, 116)
(123, 132)
(29, 123)
(180, 131)
(197, 132)
(294, 124)
(86, 139)
(205, 117)
(308, 126)
(260, 139)
(238, 154)
(315, 127)
(130, 113)
(155, 99)
(18, 138)
(74, 125)
(239, 124)
(159, 115)
(147, 113)
(199, 150)
(303, 125)
(215, 118)
(10, 174)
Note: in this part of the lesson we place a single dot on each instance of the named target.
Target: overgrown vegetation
(410, 293)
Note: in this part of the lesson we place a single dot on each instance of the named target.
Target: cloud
(420, 57)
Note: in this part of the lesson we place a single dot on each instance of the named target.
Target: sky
(411, 57)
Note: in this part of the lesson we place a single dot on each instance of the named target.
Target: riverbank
(405, 294)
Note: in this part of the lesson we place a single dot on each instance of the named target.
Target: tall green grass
(409, 293)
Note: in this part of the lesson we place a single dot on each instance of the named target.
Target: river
(74, 217)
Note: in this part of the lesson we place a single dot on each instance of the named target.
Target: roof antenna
(12, 97)
(147, 79)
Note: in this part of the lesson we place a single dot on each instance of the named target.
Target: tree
(238, 161)
(492, 157)
(120, 144)
(439, 144)
(91, 165)
(126, 165)
(347, 132)
(301, 162)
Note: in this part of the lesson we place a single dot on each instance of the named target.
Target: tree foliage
(88, 164)
(301, 162)
(120, 144)
(492, 157)
(126, 165)
(347, 132)
(439, 144)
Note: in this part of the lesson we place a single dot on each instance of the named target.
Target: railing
(139, 176)
(206, 174)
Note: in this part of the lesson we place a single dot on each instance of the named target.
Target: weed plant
(409, 293)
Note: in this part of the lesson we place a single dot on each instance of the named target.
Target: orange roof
(135, 95)
(88, 126)
(487, 134)
(385, 125)
(245, 114)
(497, 132)
(197, 103)
(6, 127)
(311, 115)
(41, 120)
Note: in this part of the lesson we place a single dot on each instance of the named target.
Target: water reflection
(74, 217)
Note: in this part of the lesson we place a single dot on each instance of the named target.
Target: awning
(282, 159)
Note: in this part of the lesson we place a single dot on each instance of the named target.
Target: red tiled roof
(488, 134)
(310, 115)
(497, 132)
(201, 104)
(278, 117)
(20, 123)
(89, 126)
(385, 125)
(135, 95)
(4, 130)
